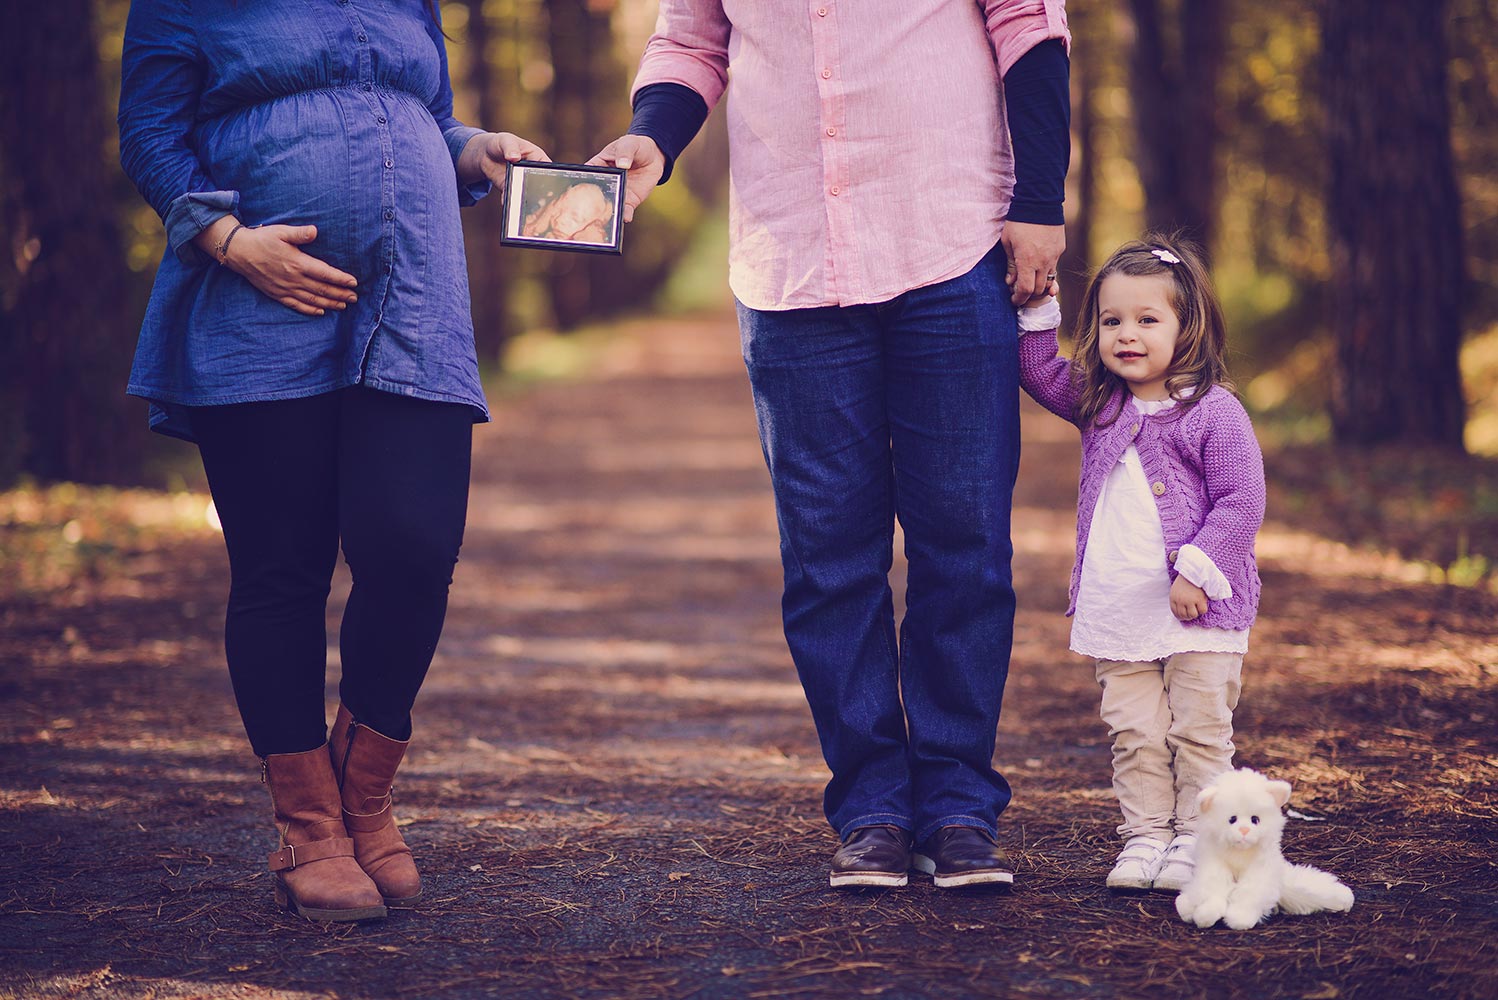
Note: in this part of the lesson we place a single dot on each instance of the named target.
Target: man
(877, 202)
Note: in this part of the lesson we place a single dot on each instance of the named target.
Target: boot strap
(302, 854)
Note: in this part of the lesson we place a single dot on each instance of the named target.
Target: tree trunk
(1393, 214)
(586, 87)
(1076, 260)
(489, 280)
(1174, 67)
(66, 338)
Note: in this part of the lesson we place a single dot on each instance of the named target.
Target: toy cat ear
(1280, 792)
(1205, 796)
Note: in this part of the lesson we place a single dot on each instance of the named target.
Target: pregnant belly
(345, 161)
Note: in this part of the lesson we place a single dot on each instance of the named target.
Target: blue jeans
(909, 409)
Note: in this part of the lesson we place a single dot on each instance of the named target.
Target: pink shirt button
(821, 12)
(826, 74)
(836, 190)
(832, 131)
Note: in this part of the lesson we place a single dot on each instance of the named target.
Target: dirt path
(615, 790)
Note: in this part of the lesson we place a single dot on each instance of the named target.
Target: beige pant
(1172, 726)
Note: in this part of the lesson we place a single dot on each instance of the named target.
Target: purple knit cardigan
(1204, 468)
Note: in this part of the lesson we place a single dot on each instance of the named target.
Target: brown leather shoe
(316, 874)
(872, 856)
(365, 762)
(963, 856)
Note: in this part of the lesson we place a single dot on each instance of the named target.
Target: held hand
(1187, 600)
(271, 259)
(645, 162)
(1033, 251)
(487, 154)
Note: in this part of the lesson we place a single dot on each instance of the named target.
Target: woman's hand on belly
(271, 259)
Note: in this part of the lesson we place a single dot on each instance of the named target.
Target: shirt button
(836, 190)
(1158, 489)
(827, 74)
(381, 119)
(389, 213)
(821, 11)
(832, 131)
(369, 86)
(389, 163)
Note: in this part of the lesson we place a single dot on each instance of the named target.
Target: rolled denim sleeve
(455, 133)
(160, 81)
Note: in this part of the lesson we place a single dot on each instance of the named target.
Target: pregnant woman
(310, 330)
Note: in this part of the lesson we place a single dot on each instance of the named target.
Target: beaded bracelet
(222, 250)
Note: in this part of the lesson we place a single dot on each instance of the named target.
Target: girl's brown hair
(1199, 361)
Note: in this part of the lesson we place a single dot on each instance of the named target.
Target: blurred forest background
(1337, 159)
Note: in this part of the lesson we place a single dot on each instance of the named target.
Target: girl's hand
(487, 154)
(1187, 600)
(271, 259)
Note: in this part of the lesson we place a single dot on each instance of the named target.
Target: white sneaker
(1135, 869)
(1178, 865)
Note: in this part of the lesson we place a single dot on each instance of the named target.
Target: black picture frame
(566, 190)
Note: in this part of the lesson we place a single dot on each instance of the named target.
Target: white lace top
(1123, 604)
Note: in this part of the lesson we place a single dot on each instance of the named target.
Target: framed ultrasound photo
(564, 206)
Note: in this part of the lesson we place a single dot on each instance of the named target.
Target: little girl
(1172, 493)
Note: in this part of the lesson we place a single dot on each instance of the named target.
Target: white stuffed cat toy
(1241, 877)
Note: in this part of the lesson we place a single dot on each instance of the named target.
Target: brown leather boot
(316, 874)
(365, 762)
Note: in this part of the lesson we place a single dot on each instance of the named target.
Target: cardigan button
(1158, 489)
(1170, 556)
(1134, 429)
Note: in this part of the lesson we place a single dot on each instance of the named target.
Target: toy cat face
(1241, 809)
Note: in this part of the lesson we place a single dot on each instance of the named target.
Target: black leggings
(385, 474)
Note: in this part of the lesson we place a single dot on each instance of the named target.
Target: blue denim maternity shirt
(334, 113)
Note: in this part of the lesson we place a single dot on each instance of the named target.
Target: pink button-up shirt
(867, 146)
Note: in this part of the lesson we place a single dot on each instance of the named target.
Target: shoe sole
(867, 880)
(286, 900)
(1130, 887)
(993, 878)
(402, 902)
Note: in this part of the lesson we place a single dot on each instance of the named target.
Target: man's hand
(1187, 600)
(645, 162)
(487, 154)
(1033, 251)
